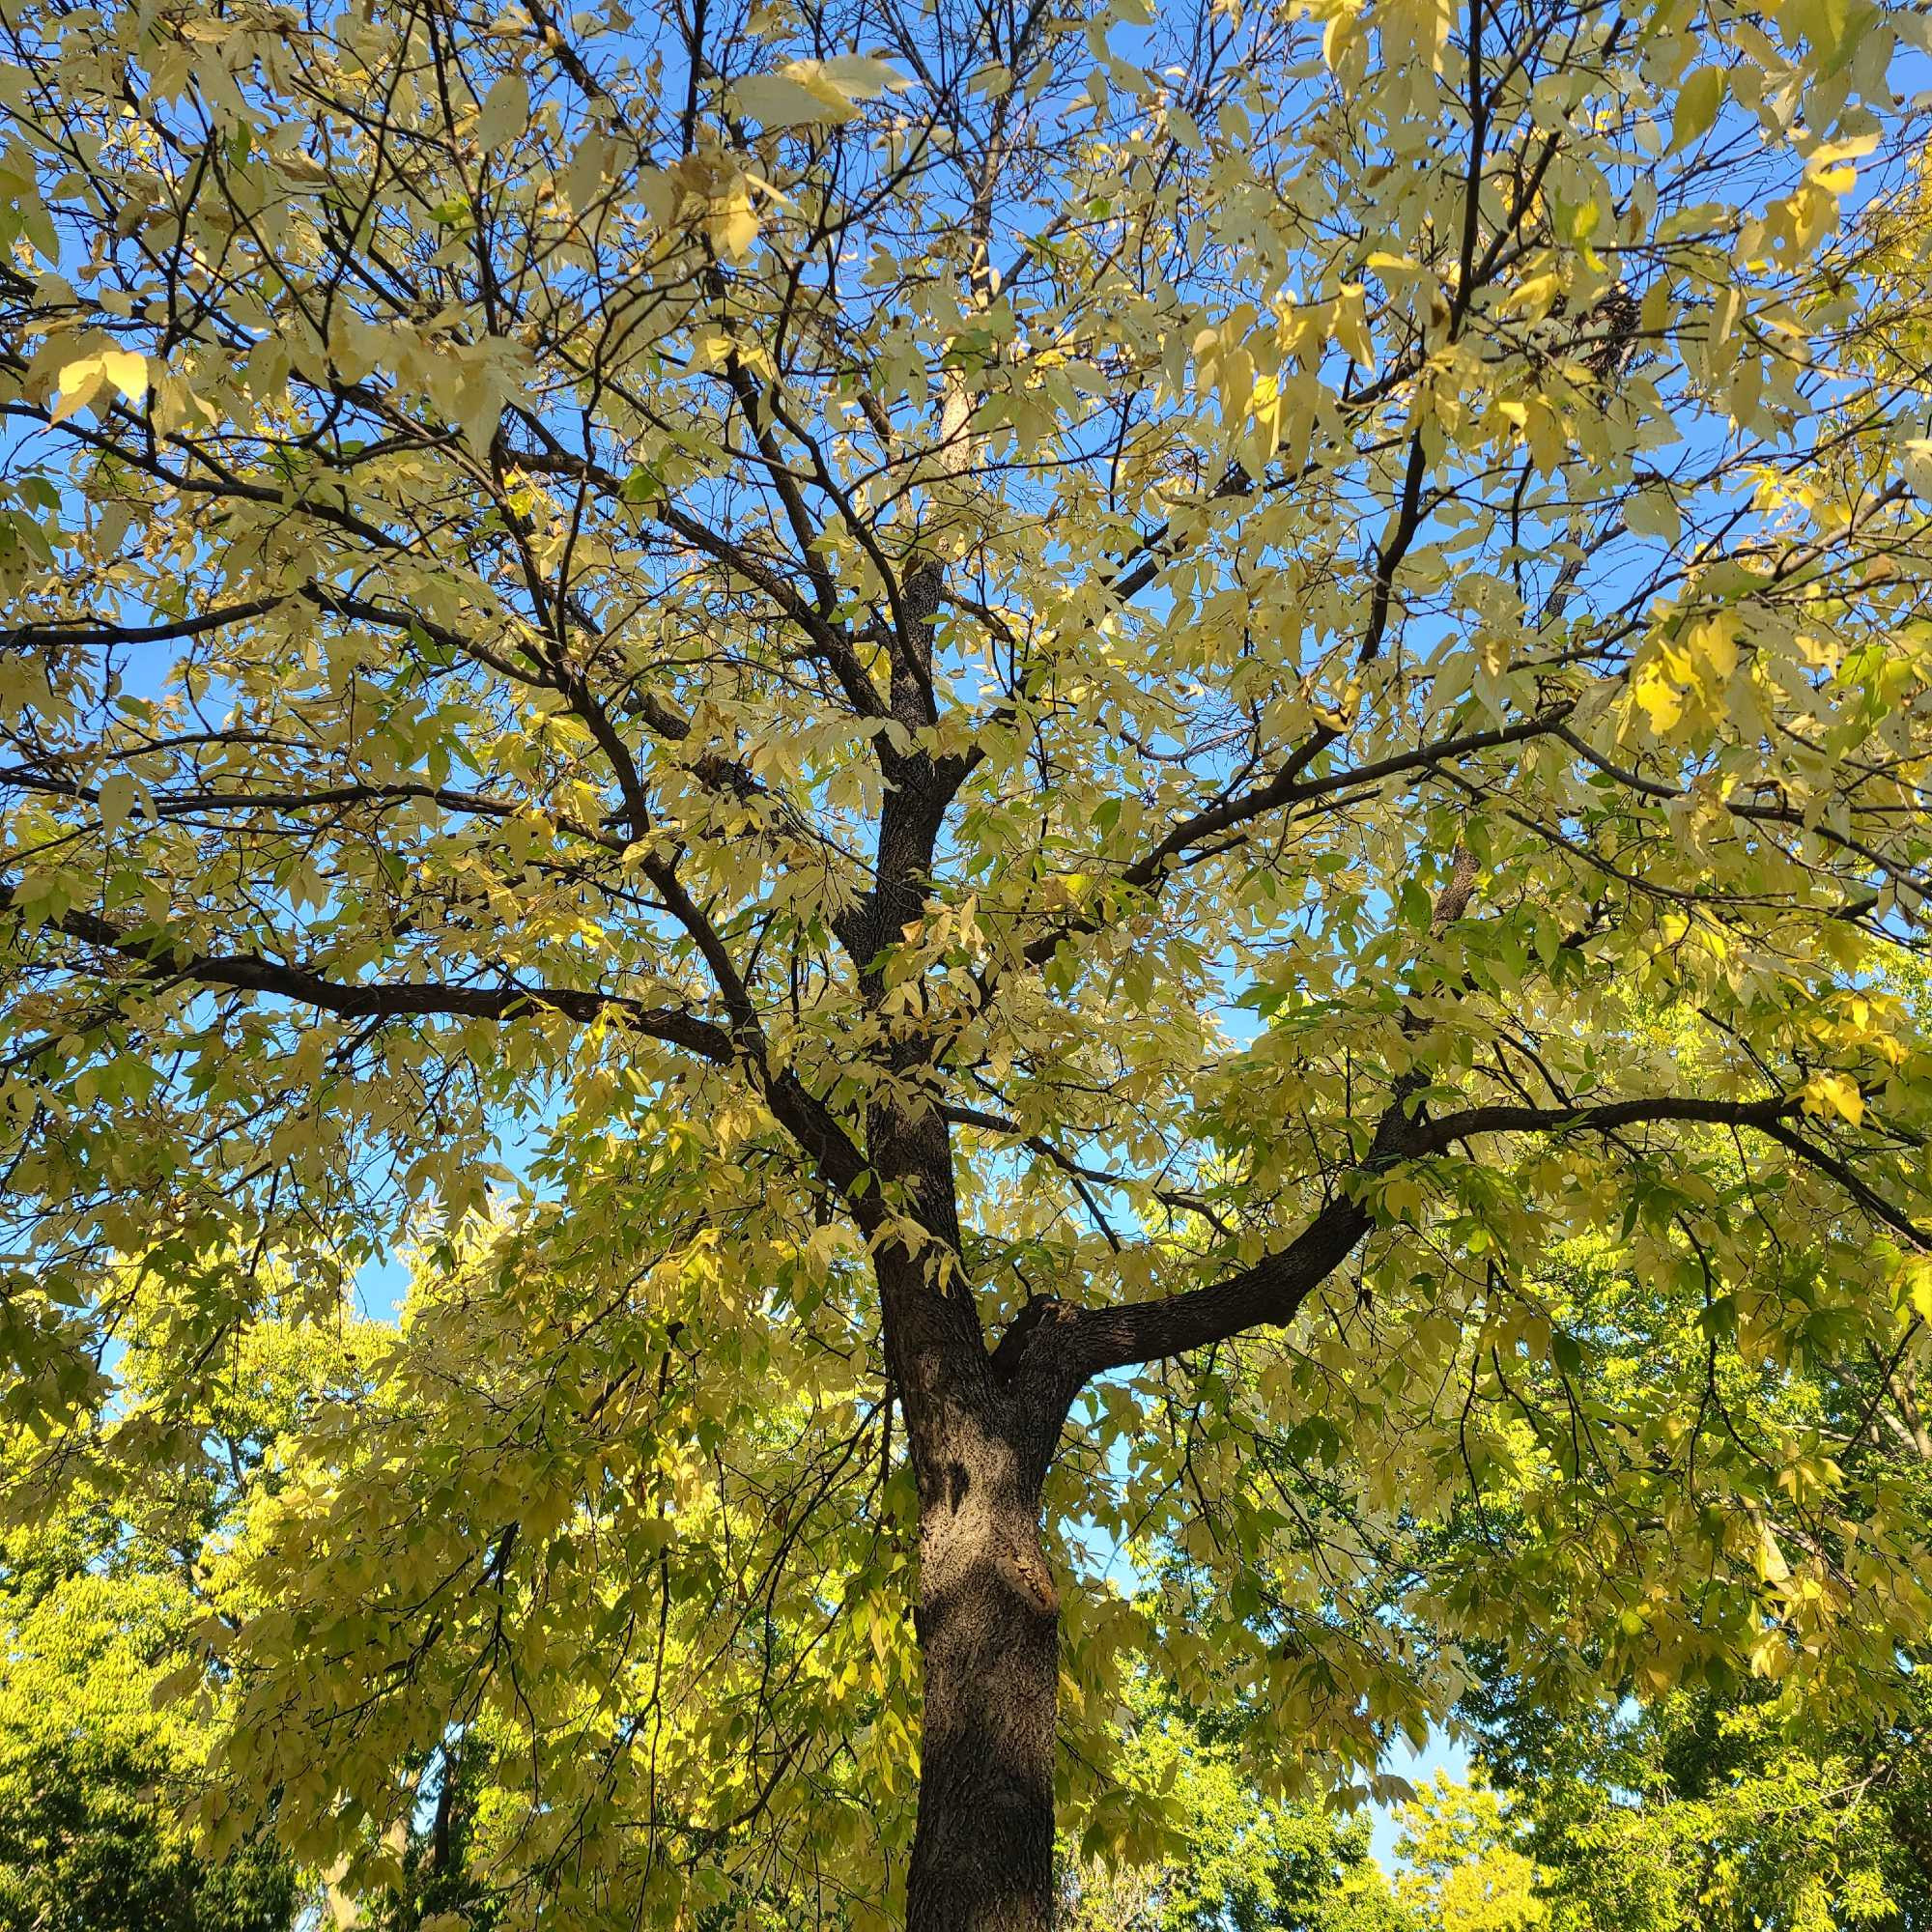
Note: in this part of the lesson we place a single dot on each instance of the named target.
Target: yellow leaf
(813, 92)
(1548, 439)
(78, 381)
(1915, 1277)
(83, 380)
(858, 76)
(117, 799)
(1659, 698)
(1714, 644)
(127, 371)
(1344, 29)
(778, 100)
(1835, 1094)
(1352, 327)
(734, 227)
(507, 111)
(1653, 513)
(1535, 295)
(1698, 99)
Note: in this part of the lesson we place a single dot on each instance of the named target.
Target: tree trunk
(989, 1622)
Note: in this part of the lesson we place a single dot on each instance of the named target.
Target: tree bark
(981, 1431)
(989, 1624)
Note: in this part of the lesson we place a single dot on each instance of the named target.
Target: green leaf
(1699, 96)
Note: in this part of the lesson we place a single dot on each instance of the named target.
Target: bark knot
(1036, 1580)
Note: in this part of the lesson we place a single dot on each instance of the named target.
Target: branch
(1172, 1198)
(78, 631)
(1288, 787)
(1427, 1137)
(180, 803)
(167, 960)
(1267, 1294)
(163, 957)
(1271, 1293)
(830, 641)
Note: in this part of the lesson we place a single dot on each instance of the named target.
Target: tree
(1688, 1811)
(100, 1602)
(1467, 1872)
(91, 1775)
(1230, 1862)
(1716, 1800)
(1075, 713)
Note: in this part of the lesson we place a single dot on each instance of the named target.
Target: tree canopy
(100, 1599)
(1019, 782)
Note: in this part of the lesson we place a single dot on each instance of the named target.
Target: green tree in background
(104, 1599)
(1467, 1867)
(92, 1776)
(1720, 1799)
(1188, 1845)
(109, 1602)
(1692, 1812)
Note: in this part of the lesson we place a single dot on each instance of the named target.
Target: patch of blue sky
(1439, 1755)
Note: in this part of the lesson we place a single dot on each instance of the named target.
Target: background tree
(92, 1778)
(1201, 1851)
(1074, 714)
(102, 1601)
(1692, 1812)
(1725, 1800)
(1467, 1868)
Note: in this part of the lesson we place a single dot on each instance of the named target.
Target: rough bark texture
(988, 1621)
(987, 1614)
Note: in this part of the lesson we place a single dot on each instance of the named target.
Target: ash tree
(910, 722)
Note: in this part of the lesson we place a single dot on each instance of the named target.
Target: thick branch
(162, 957)
(81, 631)
(167, 960)
(1267, 1294)
(1270, 1293)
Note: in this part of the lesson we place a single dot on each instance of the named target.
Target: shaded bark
(981, 1436)
(988, 1623)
